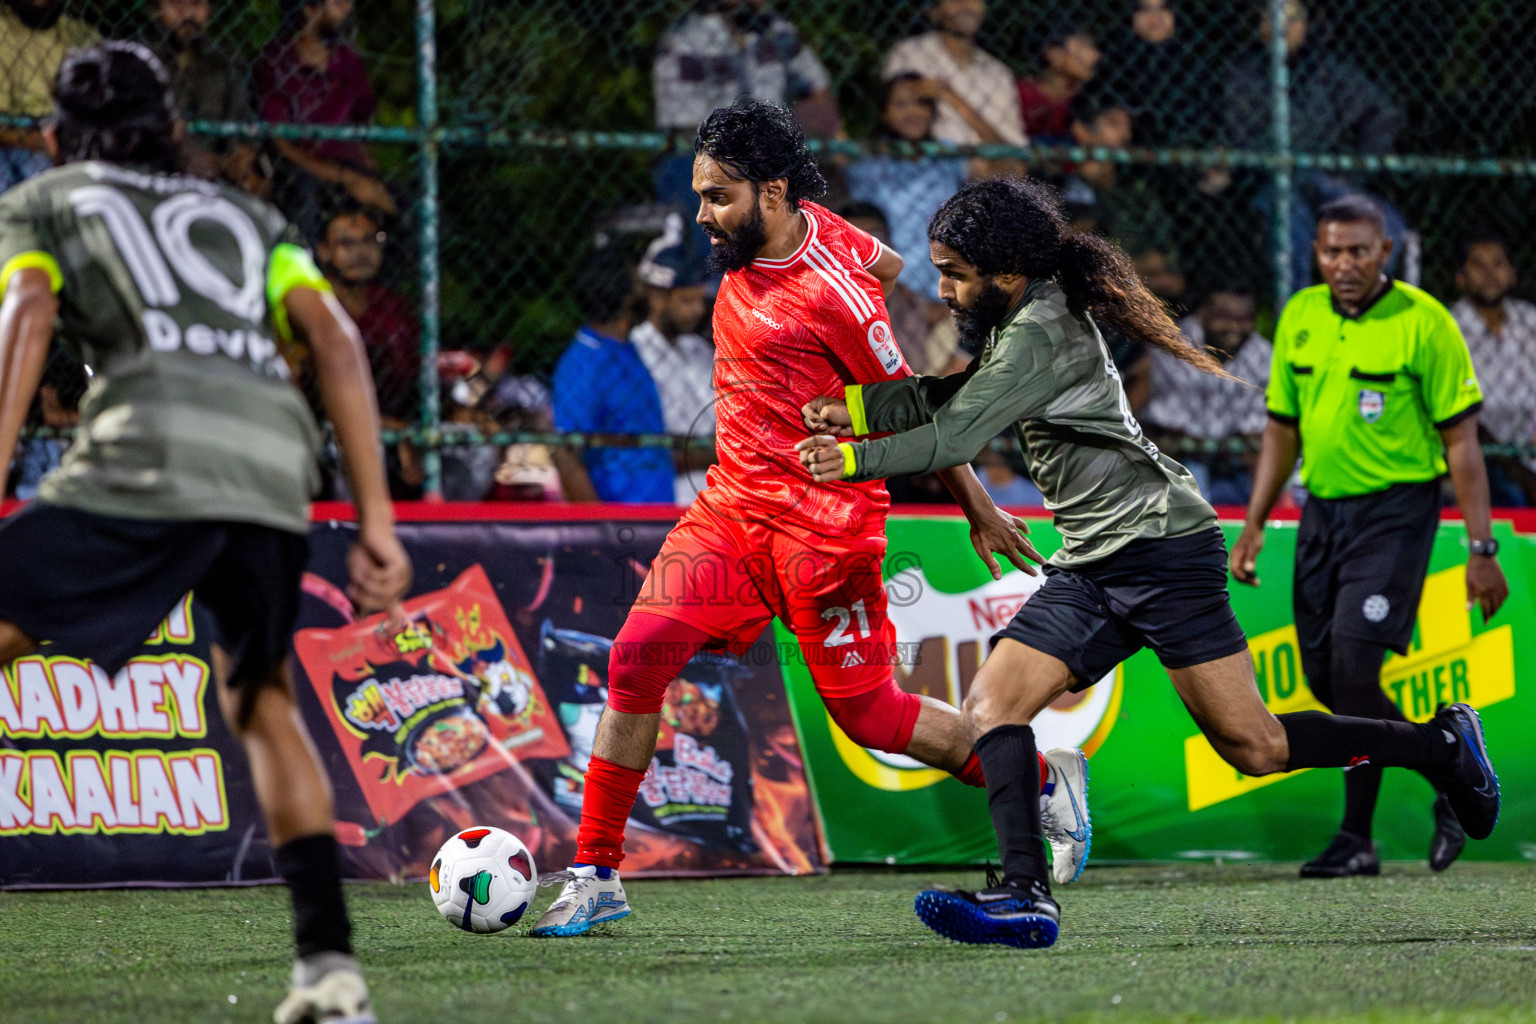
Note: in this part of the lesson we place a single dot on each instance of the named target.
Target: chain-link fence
(457, 164)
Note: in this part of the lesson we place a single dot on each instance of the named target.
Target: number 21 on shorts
(840, 635)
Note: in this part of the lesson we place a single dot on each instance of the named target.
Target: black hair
(856, 209)
(1483, 236)
(1058, 35)
(113, 101)
(757, 141)
(603, 286)
(1018, 226)
(1090, 104)
(1352, 209)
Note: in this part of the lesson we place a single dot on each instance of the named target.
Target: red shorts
(729, 577)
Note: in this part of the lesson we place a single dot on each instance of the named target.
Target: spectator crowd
(643, 294)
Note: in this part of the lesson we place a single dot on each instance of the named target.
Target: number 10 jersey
(171, 292)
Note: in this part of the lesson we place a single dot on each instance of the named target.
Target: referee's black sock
(1012, 767)
(1338, 741)
(312, 868)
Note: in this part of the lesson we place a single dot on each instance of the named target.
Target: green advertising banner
(1158, 791)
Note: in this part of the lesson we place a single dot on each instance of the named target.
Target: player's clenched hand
(999, 532)
(378, 570)
(826, 415)
(822, 456)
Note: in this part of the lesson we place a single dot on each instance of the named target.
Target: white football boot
(1064, 813)
(327, 988)
(586, 901)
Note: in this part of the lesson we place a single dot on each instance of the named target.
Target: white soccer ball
(483, 880)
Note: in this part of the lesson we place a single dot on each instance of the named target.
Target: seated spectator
(1001, 478)
(1070, 58)
(724, 49)
(34, 36)
(209, 87)
(308, 74)
(924, 330)
(521, 403)
(351, 252)
(1334, 108)
(1151, 69)
(469, 462)
(1501, 335)
(716, 52)
(680, 361)
(977, 101)
(1187, 403)
(908, 188)
(602, 386)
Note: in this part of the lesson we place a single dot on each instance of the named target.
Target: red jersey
(786, 331)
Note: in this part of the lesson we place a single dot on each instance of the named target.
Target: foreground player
(195, 457)
(797, 314)
(1142, 563)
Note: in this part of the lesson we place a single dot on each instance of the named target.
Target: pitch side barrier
(482, 704)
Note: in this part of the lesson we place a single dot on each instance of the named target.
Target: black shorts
(1360, 566)
(97, 586)
(1169, 594)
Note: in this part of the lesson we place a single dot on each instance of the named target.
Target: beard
(739, 248)
(38, 18)
(977, 323)
(1490, 300)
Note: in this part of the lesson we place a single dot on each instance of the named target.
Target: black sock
(1338, 741)
(1361, 786)
(1012, 768)
(312, 868)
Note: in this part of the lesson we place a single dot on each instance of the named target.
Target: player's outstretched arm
(26, 329)
(993, 531)
(379, 569)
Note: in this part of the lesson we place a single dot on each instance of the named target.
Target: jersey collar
(810, 239)
(1391, 284)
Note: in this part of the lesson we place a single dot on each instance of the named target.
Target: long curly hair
(1017, 226)
(757, 141)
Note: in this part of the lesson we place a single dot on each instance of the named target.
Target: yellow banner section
(1444, 664)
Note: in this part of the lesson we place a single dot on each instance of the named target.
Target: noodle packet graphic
(699, 785)
(447, 699)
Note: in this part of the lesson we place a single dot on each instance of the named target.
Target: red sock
(605, 805)
(971, 774)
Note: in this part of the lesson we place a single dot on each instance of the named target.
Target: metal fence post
(1280, 83)
(431, 318)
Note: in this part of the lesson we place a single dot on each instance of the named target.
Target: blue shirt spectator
(910, 189)
(601, 386)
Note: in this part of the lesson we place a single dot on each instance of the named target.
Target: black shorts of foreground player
(195, 458)
(1142, 562)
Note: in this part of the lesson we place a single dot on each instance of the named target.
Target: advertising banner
(1158, 790)
(478, 707)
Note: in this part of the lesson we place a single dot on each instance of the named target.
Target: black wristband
(1487, 548)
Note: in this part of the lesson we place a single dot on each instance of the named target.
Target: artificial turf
(1191, 942)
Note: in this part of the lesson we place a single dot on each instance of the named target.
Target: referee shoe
(1470, 782)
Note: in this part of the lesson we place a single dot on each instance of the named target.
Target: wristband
(1488, 548)
(850, 464)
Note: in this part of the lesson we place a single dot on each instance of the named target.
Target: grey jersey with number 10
(168, 286)
(1047, 373)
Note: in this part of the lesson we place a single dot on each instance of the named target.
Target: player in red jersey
(800, 312)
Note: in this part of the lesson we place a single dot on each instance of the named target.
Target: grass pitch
(1138, 944)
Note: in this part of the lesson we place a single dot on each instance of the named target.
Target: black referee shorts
(1169, 594)
(1360, 566)
(97, 586)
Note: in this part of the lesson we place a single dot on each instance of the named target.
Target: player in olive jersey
(1142, 563)
(195, 457)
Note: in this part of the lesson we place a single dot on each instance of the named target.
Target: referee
(1373, 385)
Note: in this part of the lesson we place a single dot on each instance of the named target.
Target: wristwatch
(1487, 548)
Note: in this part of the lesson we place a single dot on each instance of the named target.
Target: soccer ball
(483, 880)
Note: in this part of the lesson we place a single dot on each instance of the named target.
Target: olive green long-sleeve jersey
(1047, 373)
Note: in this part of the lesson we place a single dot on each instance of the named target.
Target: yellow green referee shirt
(1370, 393)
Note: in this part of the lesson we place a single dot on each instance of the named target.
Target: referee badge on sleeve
(1371, 405)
